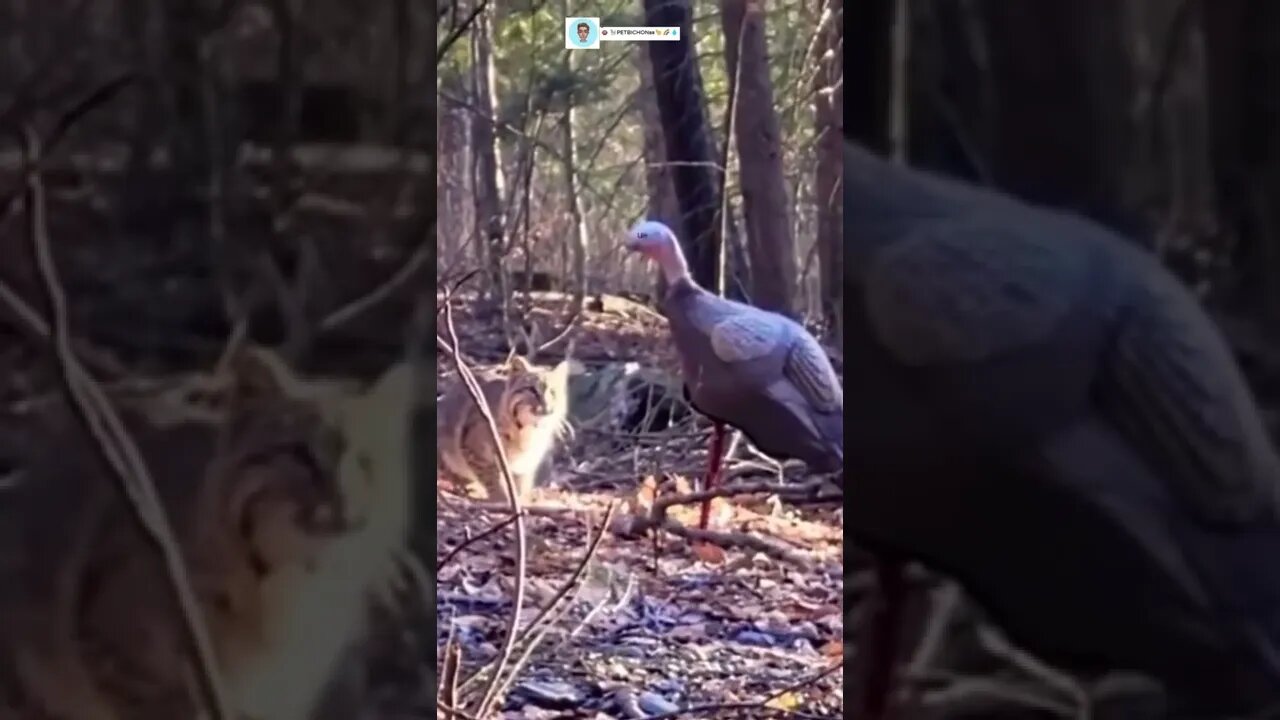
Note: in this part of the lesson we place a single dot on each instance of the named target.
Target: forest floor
(647, 622)
(651, 617)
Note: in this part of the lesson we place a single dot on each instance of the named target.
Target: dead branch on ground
(762, 705)
(657, 518)
(441, 563)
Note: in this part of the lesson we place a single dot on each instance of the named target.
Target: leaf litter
(656, 623)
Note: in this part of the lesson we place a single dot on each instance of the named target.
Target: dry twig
(757, 706)
(531, 643)
(440, 564)
(106, 427)
(410, 270)
(521, 559)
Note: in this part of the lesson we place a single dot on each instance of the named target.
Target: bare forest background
(220, 170)
(547, 156)
(1158, 118)
(289, 171)
(1155, 117)
(270, 164)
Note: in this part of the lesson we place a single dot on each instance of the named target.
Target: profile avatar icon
(582, 33)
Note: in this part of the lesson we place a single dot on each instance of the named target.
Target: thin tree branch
(106, 427)
(457, 31)
(521, 559)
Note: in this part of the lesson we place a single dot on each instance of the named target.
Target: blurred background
(1155, 117)
(548, 155)
(224, 164)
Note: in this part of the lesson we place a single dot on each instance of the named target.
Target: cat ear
(560, 373)
(519, 364)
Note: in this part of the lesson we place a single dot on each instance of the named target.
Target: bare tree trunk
(900, 85)
(828, 170)
(1172, 176)
(873, 79)
(184, 36)
(453, 150)
(1065, 77)
(662, 193)
(291, 297)
(488, 182)
(765, 205)
(578, 229)
(403, 31)
(1243, 62)
(682, 107)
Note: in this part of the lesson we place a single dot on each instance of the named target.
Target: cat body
(89, 624)
(313, 662)
(529, 405)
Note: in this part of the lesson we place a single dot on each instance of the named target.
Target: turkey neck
(670, 259)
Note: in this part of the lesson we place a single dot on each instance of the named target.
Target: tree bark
(682, 107)
(662, 205)
(1243, 62)
(578, 230)
(828, 170)
(872, 44)
(765, 205)
(454, 171)
(1065, 81)
(487, 183)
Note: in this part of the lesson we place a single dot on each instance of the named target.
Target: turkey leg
(713, 471)
(882, 648)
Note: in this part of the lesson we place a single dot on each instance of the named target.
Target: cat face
(279, 464)
(536, 395)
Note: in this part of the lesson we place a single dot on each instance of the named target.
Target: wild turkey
(1047, 415)
(749, 368)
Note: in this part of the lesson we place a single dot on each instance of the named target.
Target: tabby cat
(89, 629)
(529, 405)
(298, 672)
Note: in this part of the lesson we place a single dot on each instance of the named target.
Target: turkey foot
(713, 471)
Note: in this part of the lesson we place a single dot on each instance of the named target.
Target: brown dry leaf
(803, 609)
(709, 553)
(646, 492)
(699, 592)
(721, 511)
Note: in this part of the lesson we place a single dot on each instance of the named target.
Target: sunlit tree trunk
(828, 169)
(766, 207)
(578, 227)
(662, 204)
(487, 183)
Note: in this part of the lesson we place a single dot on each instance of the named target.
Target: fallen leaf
(646, 492)
(709, 553)
(785, 701)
